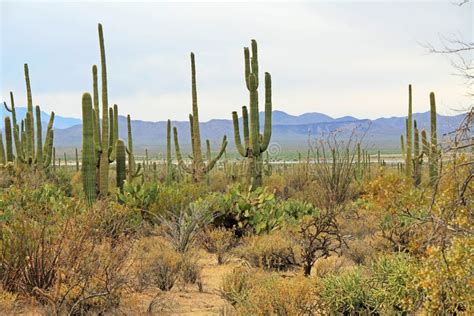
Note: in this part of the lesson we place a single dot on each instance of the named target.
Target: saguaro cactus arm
(178, 152)
(267, 132)
(238, 143)
(212, 163)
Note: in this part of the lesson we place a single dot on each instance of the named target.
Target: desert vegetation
(340, 232)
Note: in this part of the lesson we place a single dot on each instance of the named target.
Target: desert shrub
(177, 196)
(385, 287)
(157, 264)
(273, 251)
(256, 293)
(359, 251)
(190, 270)
(445, 277)
(318, 237)
(347, 293)
(218, 241)
(393, 281)
(183, 228)
(331, 265)
(237, 285)
(113, 220)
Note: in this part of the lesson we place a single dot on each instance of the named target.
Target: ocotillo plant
(197, 168)
(24, 136)
(254, 144)
(88, 150)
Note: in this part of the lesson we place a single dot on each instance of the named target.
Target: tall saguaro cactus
(169, 163)
(409, 137)
(433, 154)
(24, 136)
(88, 150)
(255, 144)
(198, 168)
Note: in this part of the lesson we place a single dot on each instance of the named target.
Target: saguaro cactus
(8, 136)
(88, 150)
(121, 171)
(3, 159)
(409, 136)
(198, 168)
(24, 137)
(434, 154)
(418, 157)
(169, 163)
(254, 144)
(133, 170)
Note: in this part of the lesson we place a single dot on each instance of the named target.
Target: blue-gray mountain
(289, 132)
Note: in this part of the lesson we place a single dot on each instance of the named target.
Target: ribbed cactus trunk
(77, 161)
(434, 153)
(24, 138)
(88, 150)
(3, 159)
(120, 163)
(8, 140)
(169, 163)
(104, 157)
(39, 139)
(417, 158)
(255, 144)
(409, 136)
(198, 168)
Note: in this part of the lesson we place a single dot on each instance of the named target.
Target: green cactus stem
(3, 159)
(77, 161)
(254, 144)
(434, 154)
(169, 163)
(8, 140)
(409, 136)
(120, 163)
(198, 169)
(88, 166)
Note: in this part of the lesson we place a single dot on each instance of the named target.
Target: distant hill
(60, 122)
(289, 132)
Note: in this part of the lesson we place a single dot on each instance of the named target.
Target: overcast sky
(339, 58)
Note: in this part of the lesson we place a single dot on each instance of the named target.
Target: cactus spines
(409, 136)
(198, 168)
(120, 164)
(88, 150)
(434, 155)
(255, 144)
(8, 140)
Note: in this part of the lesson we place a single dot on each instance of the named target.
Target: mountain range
(290, 132)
